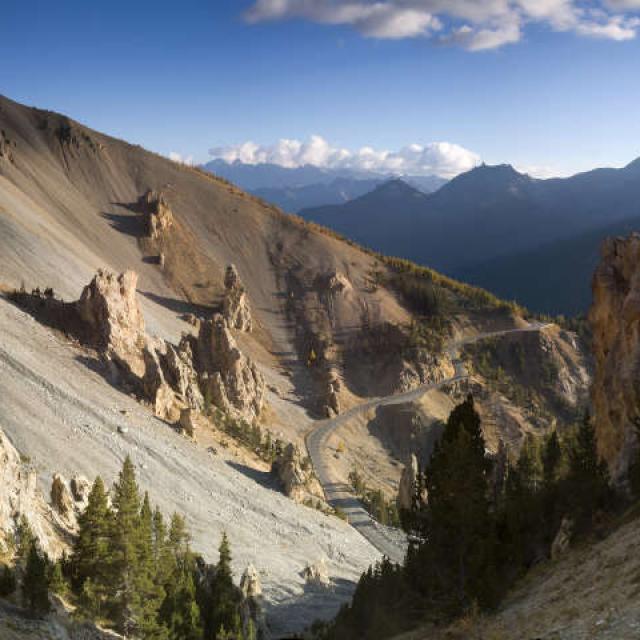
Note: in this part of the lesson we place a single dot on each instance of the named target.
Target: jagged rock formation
(235, 305)
(408, 481)
(332, 398)
(250, 583)
(159, 217)
(288, 469)
(113, 319)
(181, 374)
(317, 575)
(80, 489)
(187, 423)
(252, 606)
(19, 496)
(229, 378)
(561, 542)
(615, 322)
(61, 499)
(6, 146)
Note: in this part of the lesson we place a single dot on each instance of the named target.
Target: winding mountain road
(389, 541)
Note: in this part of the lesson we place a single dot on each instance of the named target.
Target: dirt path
(389, 541)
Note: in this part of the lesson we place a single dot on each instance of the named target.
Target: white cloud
(180, 159)
(474, 24)
(436, 158)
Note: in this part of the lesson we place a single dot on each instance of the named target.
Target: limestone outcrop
(615, 323)
(61, 499)
(408, 483)
(182, 375)
(187, 423)
(19, 496)
(235, 304)
(230, 379)
(113, 320)
(316, 574)
(159, 217)
(250, 583)
(289, 470)
(80, 489)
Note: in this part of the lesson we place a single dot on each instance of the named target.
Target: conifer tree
(551, 458)
(149, 592)
(35, 584)
(223, 598)
(588, 476)
(126, 548)
(457, 557)
(92, 553)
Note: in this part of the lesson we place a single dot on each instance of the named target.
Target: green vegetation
(374, 501)
(482, 527)
(248, 435)
(130, 572)
(531, 386)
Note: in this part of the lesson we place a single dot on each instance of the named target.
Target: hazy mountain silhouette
(488, 213)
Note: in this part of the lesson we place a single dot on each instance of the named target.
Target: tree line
(131, 571)
(483, 523)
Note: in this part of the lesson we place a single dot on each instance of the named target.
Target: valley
(250, 364)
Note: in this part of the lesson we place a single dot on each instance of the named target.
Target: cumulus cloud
(474, 24)
(436, 158)
(180, 159)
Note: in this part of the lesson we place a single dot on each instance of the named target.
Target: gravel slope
(64, 416)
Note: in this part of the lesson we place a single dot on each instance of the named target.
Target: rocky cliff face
(615, 321)
(235, 305)
(20, 497)
(158, 214)
(229, 378)
(109, 308)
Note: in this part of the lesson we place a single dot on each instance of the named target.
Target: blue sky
(186, 77)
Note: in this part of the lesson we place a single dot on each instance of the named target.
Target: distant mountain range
(500, 228)
(293, 189)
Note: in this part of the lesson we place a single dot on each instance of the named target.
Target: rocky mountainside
(492, 215)
(124, 329)
(615, 318)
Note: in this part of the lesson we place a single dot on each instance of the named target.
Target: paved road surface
(389, 541)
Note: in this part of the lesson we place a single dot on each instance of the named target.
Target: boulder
(113, 320)
(235, 304)
(317, 575)
(230, 378)
(288, 468)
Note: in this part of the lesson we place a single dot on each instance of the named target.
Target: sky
(411, 86)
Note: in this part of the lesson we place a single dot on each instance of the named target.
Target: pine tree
(7, 581)
(24, 541)
(588, 477)
(125, 549)
(149, 592)
(35, 584)
(222, 598)
(180, 611)
(456, 560)
(57, 581)
(92, 554)
(551, 458)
